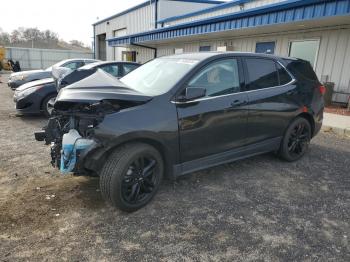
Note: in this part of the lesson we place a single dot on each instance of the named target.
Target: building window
(178, 51)
(120, 32)
(205, 48)
(222, 48)
(304, 49)
(265, 47)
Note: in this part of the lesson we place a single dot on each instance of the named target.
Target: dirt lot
(255, 209)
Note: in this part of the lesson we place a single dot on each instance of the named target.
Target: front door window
(218, 78)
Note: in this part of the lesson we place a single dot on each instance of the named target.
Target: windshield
(158, 76)
(60, 63)
(56, 65)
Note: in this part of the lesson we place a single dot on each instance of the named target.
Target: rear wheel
(296, 140)
(131, 176)
(47, 105)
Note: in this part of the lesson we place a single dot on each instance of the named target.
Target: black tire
(119, 176)
(44, 105)
(296, 140)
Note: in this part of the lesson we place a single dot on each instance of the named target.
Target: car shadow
(255, 173)
(31, 119)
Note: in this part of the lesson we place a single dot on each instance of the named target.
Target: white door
(118, 50)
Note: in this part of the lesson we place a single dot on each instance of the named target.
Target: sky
(71, 19)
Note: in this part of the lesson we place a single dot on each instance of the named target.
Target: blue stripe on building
(279, 13)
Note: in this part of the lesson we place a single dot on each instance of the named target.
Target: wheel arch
(44, 98)
(103, 153)
(310, 119)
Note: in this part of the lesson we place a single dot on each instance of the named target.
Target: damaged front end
(71, 132)
(78, 110)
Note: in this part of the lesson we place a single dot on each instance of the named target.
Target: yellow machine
(4, 63)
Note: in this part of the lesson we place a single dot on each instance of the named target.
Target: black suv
(182, 113)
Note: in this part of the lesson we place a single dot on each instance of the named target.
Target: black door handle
(291, 92)
(238, 103)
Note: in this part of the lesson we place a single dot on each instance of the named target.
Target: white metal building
(141, 18)
(315, 30)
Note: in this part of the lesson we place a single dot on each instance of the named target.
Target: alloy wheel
(49, 105)
(140, 179)
(299, 140)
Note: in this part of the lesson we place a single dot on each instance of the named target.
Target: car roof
(113, 62)
(205, 55)
(77, 59)
(100, 63)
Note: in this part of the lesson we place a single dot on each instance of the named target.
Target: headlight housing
(19, 77)
(26, 92)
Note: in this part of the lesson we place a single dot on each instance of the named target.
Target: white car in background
(19, 78)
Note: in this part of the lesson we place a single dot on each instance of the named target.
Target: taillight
(322, 89)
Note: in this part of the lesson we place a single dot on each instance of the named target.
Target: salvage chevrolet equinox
(179, 114)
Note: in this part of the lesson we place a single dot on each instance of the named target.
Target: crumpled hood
(35, 83)
(97, 87)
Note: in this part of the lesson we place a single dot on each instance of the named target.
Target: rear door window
(262, 73)
(111, 69)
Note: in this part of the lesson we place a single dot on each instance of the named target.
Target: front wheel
(131, 176)
(47, 105)
(296, 140)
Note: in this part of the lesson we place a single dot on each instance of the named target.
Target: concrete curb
(337, 130)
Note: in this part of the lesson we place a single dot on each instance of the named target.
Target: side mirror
(192, 93)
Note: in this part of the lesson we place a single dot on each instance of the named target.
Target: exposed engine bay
(82, 118)
(78, 110)
(71, 130)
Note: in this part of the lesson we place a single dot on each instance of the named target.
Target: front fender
(95, 157)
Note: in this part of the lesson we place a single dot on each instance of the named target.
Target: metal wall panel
(279, 13)
(139, 20)
(143, 19)
(33, 58)
(168, 9)
(223, 11)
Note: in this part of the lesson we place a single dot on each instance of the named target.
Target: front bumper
(69, 156)
(85, 159)
(13, 84)
(30, 104)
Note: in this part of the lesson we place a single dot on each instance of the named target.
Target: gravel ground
(256, 209)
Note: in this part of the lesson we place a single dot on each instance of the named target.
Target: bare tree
(77, 43)
(33, 37)
(4, 37)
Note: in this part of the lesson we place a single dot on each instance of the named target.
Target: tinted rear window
(301, 69)
(285, 78)
(262, 73)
